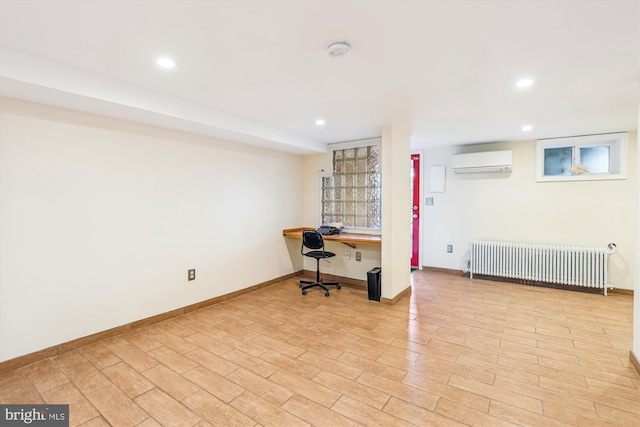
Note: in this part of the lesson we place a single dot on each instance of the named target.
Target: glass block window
(352, 194)
(591, 157)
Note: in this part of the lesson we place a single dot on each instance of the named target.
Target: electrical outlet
(347, 254)
(449, 249)
(358, 256)
(191, 274)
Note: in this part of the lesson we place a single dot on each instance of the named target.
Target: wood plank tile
(349, 344)
(627, 403)
(576, 415)
(165, 409)
(316, 414)
(172, 359)
(216, 412)
(127, 379)
(142, 339)
(86, 377)
(47, 375)
(389, 349)
(211, 361)
(417, 415)
(263, 387)
(80, 409)
(215, 384)
(315, 344)
(96, 422)
(328, 364)
(281, 346)
(213, 345)
(401, 391)
(116, 408)
(617, 416)
(521, 416)
(580, 404)
(136, 358)
(365, 414)
(290, 364)
(99, 355)
(174, 342)
(264, 412)
(253, 364)
(459, 395)
(305, 387)
(468, 416)
(150, 422)
(171, 382)
(356, 390)
(369, 365)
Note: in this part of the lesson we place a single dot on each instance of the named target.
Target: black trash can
(373, 280)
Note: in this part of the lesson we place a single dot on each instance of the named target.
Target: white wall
(514, 207)
(100, 220)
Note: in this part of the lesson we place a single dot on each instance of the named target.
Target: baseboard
(620, 291)
(634, 361)
(391, 301)
(56, 350)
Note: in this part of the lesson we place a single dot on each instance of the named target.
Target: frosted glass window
(595, 158)
(352, 194)
(580, 158)
(557, 161)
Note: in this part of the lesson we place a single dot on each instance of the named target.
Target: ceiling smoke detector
(337, 49)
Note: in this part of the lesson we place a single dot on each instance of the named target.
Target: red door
(415, 209)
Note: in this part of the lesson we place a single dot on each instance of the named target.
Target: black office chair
(313, 240)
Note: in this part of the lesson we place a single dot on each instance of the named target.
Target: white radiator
(562, 265)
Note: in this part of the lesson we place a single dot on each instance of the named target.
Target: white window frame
(618, 156)
(328, 171)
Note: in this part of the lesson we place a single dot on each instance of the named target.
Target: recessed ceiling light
(320, 122)
(522, 83)
(165, 62)
(527, 128)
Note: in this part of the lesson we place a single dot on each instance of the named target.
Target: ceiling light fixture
(320, 122)
(339, 48)
(522, 83)
(527, 128)
(165, 62)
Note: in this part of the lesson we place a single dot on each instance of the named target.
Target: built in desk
(349, 239)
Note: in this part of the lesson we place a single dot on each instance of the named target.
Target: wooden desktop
(349, 239)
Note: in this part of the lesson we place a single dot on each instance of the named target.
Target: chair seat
(319, 254)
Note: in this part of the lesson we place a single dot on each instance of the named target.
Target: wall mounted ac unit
(488, 161)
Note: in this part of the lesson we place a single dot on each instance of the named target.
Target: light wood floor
(457, 352)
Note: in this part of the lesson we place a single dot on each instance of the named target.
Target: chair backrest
(312, 239)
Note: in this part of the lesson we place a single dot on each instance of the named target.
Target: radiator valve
(612, 248)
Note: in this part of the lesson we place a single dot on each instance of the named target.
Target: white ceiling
(258, 72)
